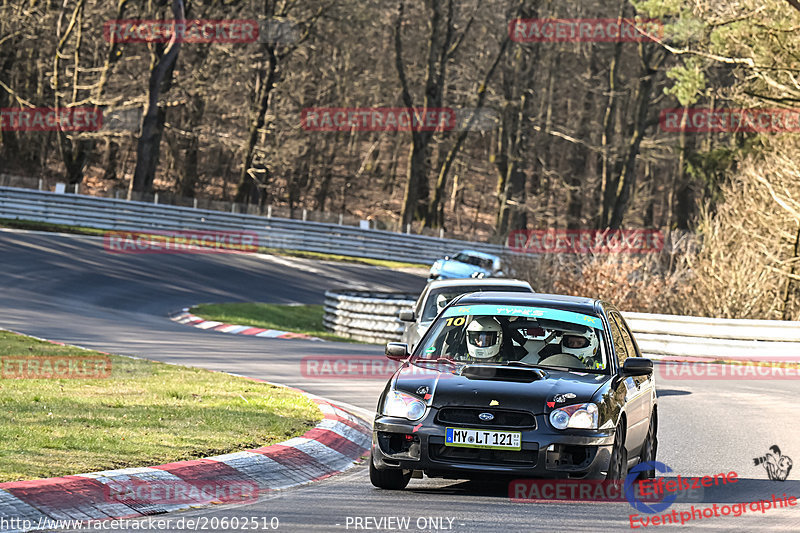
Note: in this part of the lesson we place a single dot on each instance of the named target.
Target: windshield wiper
(523, 363)
(437, 360)
(569, 369)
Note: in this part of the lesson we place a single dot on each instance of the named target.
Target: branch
(111, 56)
(309, 25)
(775, 197)
(795, 4)
(18, 98)
(771, 98)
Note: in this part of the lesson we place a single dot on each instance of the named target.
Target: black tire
(618, 465)
(649, 450)
(389, 479)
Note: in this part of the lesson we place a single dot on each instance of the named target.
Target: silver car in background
(437, 294)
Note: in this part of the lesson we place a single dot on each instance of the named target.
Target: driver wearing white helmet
(484, 338)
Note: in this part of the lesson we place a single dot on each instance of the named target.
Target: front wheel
(390, 479)
(649, 450)
(618, 465)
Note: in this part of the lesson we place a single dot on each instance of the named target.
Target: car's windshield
(498, 334)
(439, 298)
(474, 260)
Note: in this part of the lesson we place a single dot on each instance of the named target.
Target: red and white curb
(331, 447)
(185, 317)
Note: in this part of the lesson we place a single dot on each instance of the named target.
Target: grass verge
(80, 230)
(295, 318)
(47, 226)
(144, 414)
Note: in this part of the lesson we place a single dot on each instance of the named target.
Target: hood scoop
(502, 373)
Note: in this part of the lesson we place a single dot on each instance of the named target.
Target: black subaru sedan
(517, 384)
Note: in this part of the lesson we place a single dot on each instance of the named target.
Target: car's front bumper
(545, 453)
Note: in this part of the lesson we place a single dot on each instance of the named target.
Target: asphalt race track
(67, 288)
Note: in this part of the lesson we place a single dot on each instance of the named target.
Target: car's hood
(533, 390)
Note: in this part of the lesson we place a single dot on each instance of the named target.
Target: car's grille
(440, 452)
(469, 416)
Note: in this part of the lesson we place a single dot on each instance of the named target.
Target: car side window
(418, 308)
(617, 338)
(627, 337)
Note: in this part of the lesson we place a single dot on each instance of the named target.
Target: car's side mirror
(637, 366)
(406, 316)
(397, 351)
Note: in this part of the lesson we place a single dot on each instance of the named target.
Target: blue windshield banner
(529, 312)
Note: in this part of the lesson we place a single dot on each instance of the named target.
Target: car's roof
(560, 301)
(472, 282)
(478, 254)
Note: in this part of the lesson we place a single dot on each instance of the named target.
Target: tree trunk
(651, 61)
(609, 166)
(187, 178)
(247, 189)
(148, 146)
(110, 160)
(73, 154)
(435, 210)
(415, 199)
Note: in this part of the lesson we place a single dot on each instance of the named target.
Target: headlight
(579, 416)
(403, 405)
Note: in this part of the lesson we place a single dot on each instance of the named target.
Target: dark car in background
(517, 384)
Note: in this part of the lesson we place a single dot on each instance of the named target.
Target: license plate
(479, 438)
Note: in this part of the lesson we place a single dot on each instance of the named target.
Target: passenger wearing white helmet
(484, 338)
(441, 302)
(583, 345)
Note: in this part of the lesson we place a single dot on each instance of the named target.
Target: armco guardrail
(687, 336)
(123, 215)
(372, 317)
(366, 316)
